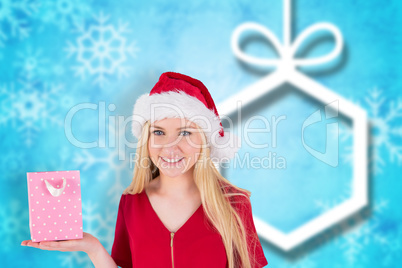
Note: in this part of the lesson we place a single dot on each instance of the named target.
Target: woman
(178, 211)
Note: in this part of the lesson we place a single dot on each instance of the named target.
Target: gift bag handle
(54, 191)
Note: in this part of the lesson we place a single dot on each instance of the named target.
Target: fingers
(47, 245)
(51, 246)
(29, 243)
(85, 244)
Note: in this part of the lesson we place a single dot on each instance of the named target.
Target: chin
(171, 174)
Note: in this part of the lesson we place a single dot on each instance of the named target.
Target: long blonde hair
(216, 195)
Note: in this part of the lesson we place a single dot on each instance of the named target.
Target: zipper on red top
(171, 247)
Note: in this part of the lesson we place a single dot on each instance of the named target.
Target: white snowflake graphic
(386, 126)
(385, 131)
(345, 133)
(64, 13)
(393, 248)
(115, 159)
(31, 107)
(365, 234)
(75, 259)
(13, 222)
(102, 50)
(14, 15)
(86, 159)
(31, 62)
(99, 225)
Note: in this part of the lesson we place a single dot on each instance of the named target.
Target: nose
(171, 146)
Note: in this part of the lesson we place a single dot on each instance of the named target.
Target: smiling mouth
(172, 161)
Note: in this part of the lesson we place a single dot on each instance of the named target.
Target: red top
(142, 241)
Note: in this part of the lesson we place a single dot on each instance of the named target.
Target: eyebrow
(176, 129)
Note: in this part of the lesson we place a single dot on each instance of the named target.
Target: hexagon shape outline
(358, 116)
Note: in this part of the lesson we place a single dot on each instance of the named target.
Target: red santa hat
(179, 96)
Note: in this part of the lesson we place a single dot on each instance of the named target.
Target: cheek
(155, 141)
(152, 150)
(192, 145)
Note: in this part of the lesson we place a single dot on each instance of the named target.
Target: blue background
(47, 68)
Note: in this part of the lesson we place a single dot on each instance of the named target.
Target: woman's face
(174, 145)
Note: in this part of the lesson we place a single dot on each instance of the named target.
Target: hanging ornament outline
(286, 72)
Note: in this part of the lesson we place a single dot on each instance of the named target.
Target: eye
(189, 133)
(156, 131)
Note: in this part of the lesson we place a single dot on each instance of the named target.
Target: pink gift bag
(55, 211)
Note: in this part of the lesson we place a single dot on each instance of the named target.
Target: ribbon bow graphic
(287, 51)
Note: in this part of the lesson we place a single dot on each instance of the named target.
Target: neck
(178, 187)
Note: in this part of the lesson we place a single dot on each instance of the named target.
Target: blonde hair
(216, 195)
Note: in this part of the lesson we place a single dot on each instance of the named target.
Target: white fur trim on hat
(173, 104)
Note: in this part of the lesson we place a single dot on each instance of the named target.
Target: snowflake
(346, 138)
(393, 249)
(30, 107)
(98, 225)
(102, 50)
(13, 222)
(31, 62)
(64, 13)
(115, 159)
(13, 18)
(76, 259)
(386, 129)
(364, 234)
(87, 160)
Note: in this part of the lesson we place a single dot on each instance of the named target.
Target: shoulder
(239, 198)
(127, 200)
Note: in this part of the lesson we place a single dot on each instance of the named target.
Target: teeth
(172, 160)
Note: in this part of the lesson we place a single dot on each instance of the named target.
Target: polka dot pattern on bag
(53, 217)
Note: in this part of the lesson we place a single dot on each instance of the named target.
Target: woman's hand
(88, 244)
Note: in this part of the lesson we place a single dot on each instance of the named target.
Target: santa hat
(179, 96)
